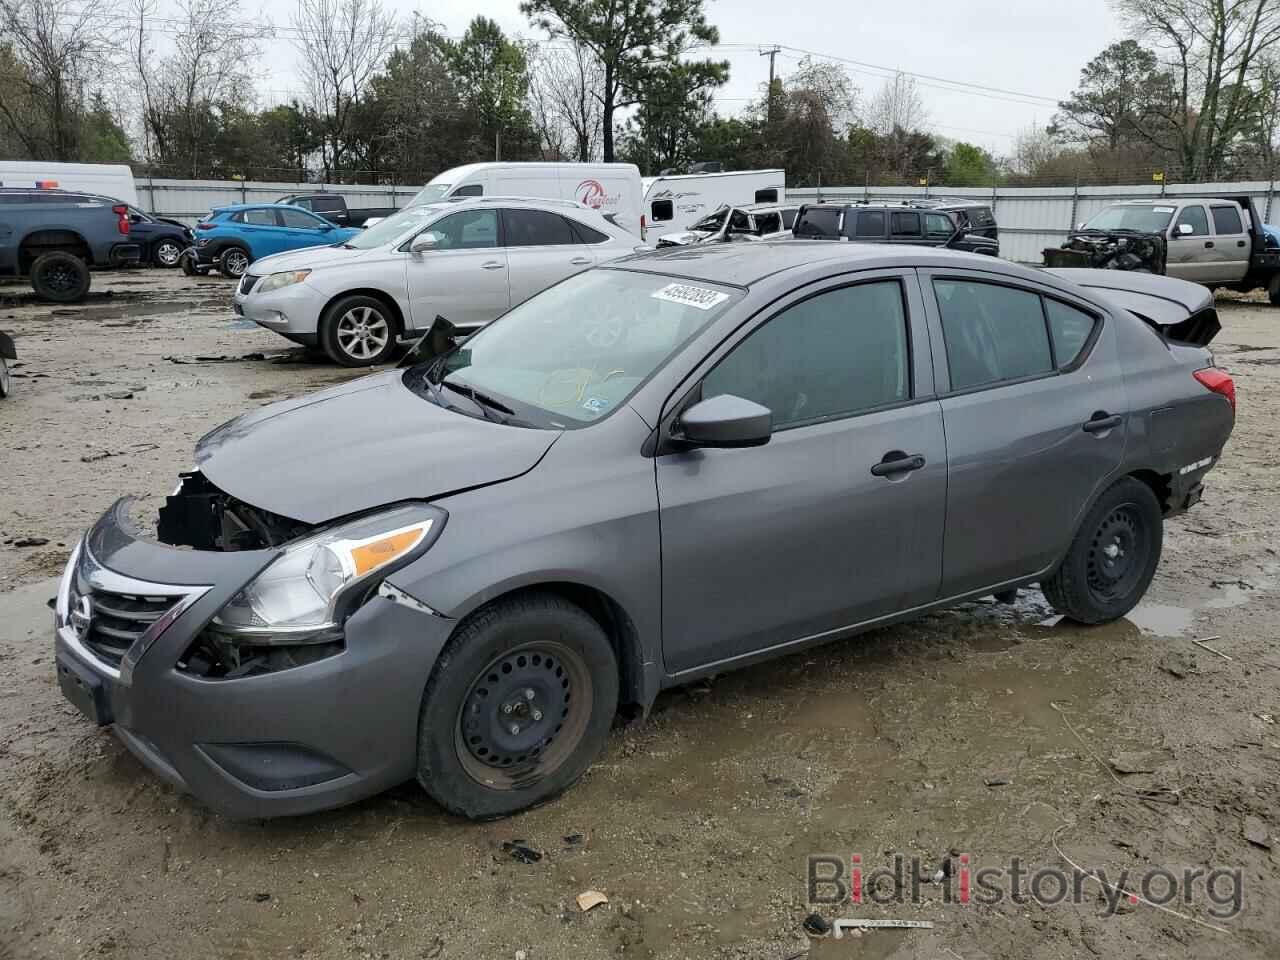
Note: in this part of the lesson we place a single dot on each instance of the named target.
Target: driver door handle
(580, 261)
(896, 462)
(492, 265)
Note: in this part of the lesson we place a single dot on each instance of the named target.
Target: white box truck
(674, 203)
(113, 180)
(612, 188)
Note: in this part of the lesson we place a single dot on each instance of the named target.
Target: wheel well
(383, 298)
(1161, 485)
(615, 623)
(46, 241)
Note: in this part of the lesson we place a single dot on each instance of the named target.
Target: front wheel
(1113, 557)
(519, 705)
(166, 253)
(1273, 289)
(358, 331)
(233, 262)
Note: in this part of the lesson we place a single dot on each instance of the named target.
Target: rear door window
(992, 333)
(869, 224)
(788, 219)
(300, 220)
(938, 226)
(768, 223)
(259, 217)
(536, 228)
(1226, 220)
(905, 225)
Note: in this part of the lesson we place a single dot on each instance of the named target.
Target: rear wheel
(233, 262)
(1113, 557)
(518, 707)
(166, 253)
(1273, 290)
(60, 277)
(358, 331)
(5, 382)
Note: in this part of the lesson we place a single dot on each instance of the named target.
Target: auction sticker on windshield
(691, 296)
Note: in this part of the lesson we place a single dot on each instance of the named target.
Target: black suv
(957, 225)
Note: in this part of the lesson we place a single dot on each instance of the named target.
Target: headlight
(275, 281)
(304, 590)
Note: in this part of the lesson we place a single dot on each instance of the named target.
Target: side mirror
(1185, 230)
(326, 228)
(1080, 225)
(424, 241)
(727, 421)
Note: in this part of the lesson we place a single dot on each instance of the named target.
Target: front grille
(118, 620)
(247, 282)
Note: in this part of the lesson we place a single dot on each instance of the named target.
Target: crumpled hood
(310, 258)
(684, 238)
(360, 445)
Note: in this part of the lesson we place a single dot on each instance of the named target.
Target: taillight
(643, 227)
(203, 225)
(1219, 381)
(121, 211)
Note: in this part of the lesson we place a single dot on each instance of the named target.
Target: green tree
(1121, 93)
(492, 74)
(677, 102)
(633, 39)
(969, 166)
(102, 139)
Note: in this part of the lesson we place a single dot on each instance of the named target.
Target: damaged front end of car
(1111, 250)
(292, 613)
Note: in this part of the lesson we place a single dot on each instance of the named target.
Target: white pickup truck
(1215, 241)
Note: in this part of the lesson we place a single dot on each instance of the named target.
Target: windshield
(1122, 217)
(392, 228)
(575, 352)
(430, 194)
(713, 222)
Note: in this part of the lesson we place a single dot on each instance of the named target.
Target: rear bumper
(289, 742)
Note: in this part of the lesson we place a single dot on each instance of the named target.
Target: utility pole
(771, 53)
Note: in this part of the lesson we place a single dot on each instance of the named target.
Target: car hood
(310, 258)
(360, 445)
(684, 238)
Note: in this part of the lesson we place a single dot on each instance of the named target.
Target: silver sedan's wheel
(359, 331)
(167, 253)
(4, 378)
(363, 333)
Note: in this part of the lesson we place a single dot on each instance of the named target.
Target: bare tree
(60, 50)
(1214, 50)
(214, 43)
(343, 44)
(564, 99)
(897, 105)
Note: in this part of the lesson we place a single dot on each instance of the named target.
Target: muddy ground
(950, 734)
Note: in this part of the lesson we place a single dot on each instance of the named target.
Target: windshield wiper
(479, 399)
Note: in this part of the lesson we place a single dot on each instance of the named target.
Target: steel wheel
(524, 715)
(363, 333)
(1117, 557)
(167, 253)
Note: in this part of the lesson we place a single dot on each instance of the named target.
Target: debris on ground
(1255, 831)
(519, 851)
(1128, 763)
(1179, 664)
(30, 541)
(997, 781)
(816, 926)
(107, 454)
(573, 839)
(590, 899)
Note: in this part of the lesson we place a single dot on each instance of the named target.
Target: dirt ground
(954, 733)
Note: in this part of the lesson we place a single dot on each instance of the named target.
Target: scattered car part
(7, 352)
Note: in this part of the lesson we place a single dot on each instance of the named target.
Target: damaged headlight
(305, 590)
(288, 278)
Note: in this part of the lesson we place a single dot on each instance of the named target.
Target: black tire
(60, 277)
(1113, 557)
(166, 253)
(233, 262)
(188, 264)
(359, 331)
(1273, 289)
(5, 382)
(534, 643)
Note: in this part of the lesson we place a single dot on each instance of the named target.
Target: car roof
(1170, 201)
(742, 265)
(234, 207)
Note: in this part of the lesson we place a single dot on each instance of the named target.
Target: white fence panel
(189, 200)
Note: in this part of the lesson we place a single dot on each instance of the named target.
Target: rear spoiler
(1178, 309)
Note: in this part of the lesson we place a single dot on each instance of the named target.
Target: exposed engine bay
(1111, 250)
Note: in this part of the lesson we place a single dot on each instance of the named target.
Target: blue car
(231, 238)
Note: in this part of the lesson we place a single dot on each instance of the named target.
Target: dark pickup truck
(55, 237)
(333, 207)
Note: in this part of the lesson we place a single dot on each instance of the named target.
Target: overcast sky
(1031, 49)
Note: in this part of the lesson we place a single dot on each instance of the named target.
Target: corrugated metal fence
(1030, 218)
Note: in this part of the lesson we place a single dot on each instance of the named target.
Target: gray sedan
(674, 466)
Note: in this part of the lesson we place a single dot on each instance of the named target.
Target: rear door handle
(1241, 243)
(896, 462)
(492, 265)
(580, 261)
(1208, 244)
(1102, 421)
